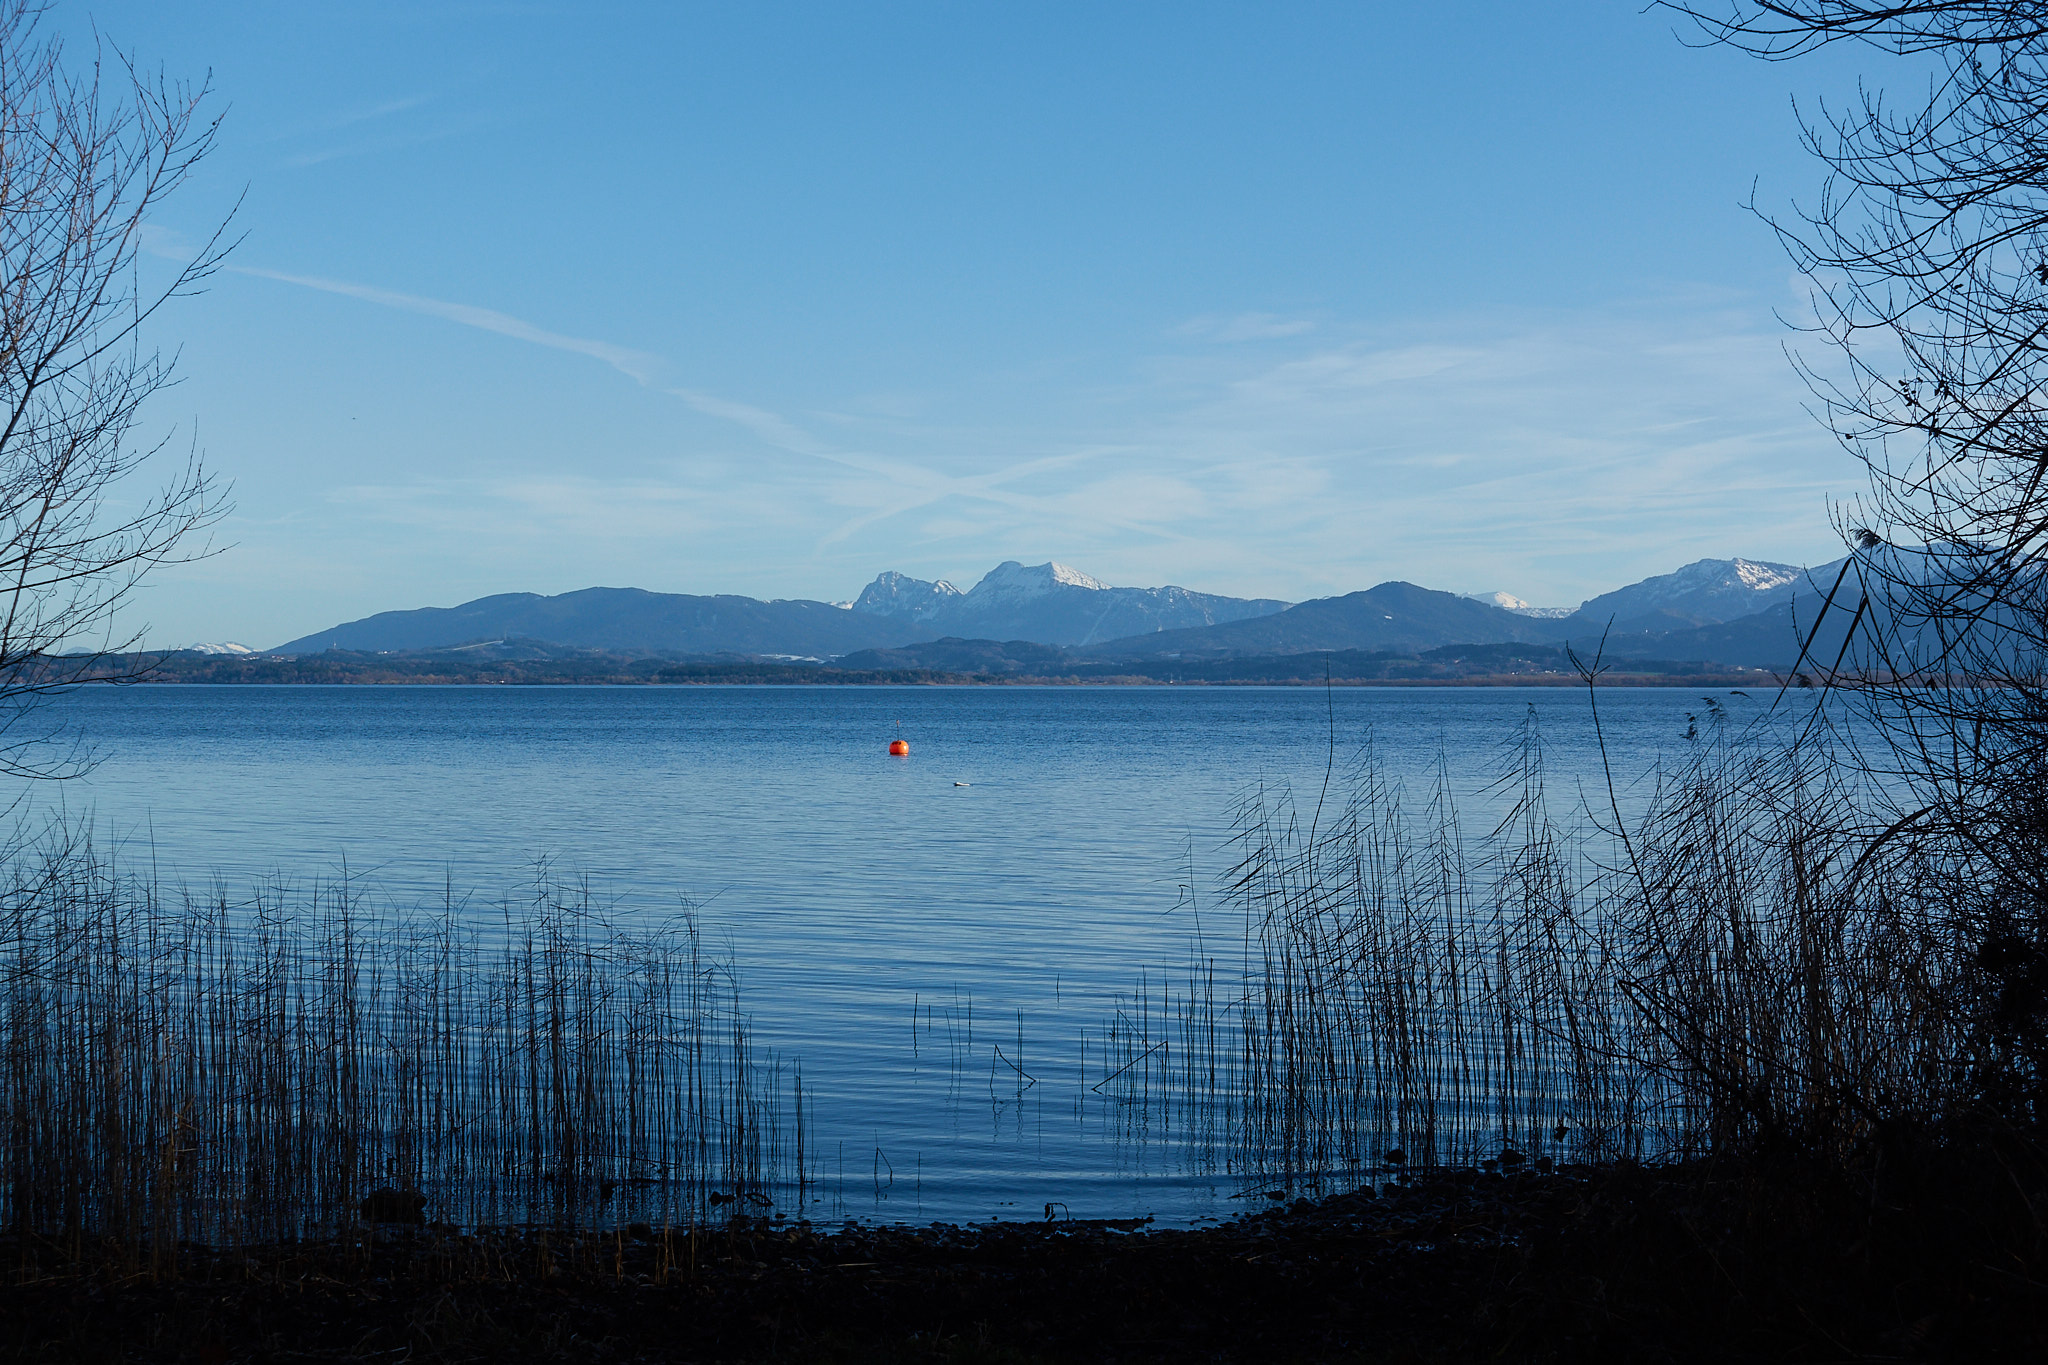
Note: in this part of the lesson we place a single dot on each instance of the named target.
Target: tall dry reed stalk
(221, 1071)
(1718, 971)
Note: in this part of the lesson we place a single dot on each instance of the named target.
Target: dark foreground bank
(1618, 1262)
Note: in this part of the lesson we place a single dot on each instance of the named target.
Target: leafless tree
(88, 154)
(1927, 249)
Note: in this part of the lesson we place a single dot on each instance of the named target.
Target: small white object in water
(963, 784)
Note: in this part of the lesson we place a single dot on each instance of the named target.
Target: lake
(1038, 853)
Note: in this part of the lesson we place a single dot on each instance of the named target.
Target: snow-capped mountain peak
(1050, 603)
(896, 594)
(1723, 574)
(1707, 590)
(1011, 579)
(221, 647)
(1074, 578)
(1507, 601)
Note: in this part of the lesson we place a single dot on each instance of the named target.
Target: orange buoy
(900, 748)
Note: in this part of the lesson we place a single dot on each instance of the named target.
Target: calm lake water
(858, 892)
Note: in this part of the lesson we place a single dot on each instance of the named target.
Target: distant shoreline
(1707, 680)
(825, 679)
(1629, 680)
(589, 669)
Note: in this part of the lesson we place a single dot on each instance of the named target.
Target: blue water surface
(1038, 852)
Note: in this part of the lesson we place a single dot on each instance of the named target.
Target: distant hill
(1051, 604)
(628, 619)
(1773, 638)
(955, 655)
(1397, 617)
(1706, 592)
(985, 662)
(1767, 639)
(1048, 603)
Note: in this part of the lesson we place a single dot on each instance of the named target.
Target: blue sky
(766, 298)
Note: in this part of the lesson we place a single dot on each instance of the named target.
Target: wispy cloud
(369, 113)
(532, 507)
(378, 126)
(167, 243)
(636, 365)
(775, 430)
(894, 486)
(1244, 327)
(1554, 456)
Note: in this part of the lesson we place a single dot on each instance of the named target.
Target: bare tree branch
(87, 156)
(1928, 255)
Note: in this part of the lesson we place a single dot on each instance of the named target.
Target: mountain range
(628, 620)
(1047, 602)
(1019, 618)
(1050, 604)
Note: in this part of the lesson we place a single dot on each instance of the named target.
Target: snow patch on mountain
(1763, 577)
(1507, 601)
(217, 647)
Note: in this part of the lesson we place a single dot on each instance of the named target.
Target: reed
(223, 1071)
(1719, 972)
